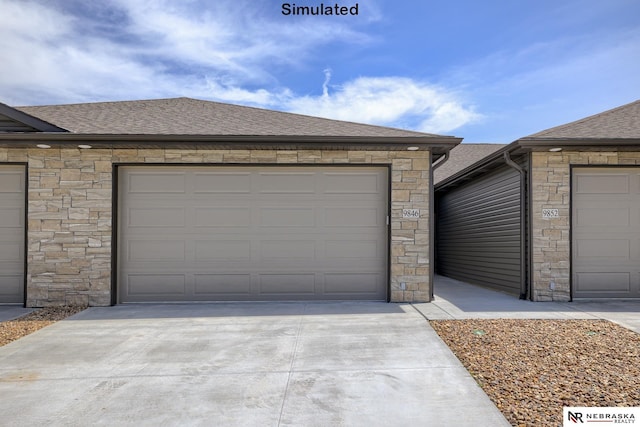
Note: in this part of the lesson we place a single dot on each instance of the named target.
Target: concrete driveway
(245, 364)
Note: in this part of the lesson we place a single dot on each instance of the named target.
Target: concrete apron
(245, 364)
(10, 312)
(459, 300)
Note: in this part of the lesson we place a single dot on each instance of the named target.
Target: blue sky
(488, 71)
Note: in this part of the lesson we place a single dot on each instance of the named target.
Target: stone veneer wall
(551, 237)
(70, 214)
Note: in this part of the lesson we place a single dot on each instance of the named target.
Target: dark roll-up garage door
(12, 205)
(252, 233)
(605, 227)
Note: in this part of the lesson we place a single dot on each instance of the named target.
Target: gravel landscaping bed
(14, 329)
(532, 368)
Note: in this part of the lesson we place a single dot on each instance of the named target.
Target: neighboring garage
(12, 232)
(606, 232)
(252, 233)
(578, 214)
(189, 200)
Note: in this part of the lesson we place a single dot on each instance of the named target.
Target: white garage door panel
(286, 183)
(11, 285)
(287, 284)
(162, 285)
(602, 183)
(606, 233)
(222, 182)
(603, 248)
(599, 282)
(212, 285)
(12, 205)
(593, 217)
(252, 233)
(154, 183)
(337, 284)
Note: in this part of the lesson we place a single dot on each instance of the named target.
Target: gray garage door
(12, 205)
(252, 233)
(606, 232)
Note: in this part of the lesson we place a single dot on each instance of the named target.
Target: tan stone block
(409, 225)
(263, 156)
(285, 156)
(49, 181)
(70, 175)
(402, 164)
(212, 156)
(334, 154)
(404, 185)
(50, 225)
(36, 163)
(397, 269)
(397, 296)
(410, 260)
(102, 166)
(85, 183)
(382, 157)
(309, 156)
(99, 194)
(400, 195)
(420, 296)
(151, 153)
(35, 224)
(551, 233)
(422, 238)
(357, 156)
(237, 156)
(421, 164)
(397, 250)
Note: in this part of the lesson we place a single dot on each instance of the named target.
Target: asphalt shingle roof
(619, 123)
(463, 156)
(187, 116)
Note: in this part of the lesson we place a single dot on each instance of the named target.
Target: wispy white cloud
(392, 101)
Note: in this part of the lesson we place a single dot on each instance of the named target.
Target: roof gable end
(13, 120)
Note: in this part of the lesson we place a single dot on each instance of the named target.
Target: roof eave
(542, 144)
(480, 166)
(438, 145)
(524, 145)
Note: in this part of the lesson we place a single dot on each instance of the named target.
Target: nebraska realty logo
(322, 9)
(603, 416)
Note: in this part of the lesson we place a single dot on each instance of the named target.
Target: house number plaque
(411, 213)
